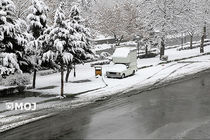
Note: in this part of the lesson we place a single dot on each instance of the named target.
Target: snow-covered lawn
(85, 81)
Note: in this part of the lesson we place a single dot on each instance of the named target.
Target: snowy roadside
(144, 78)
(86, 81)
(152, 76)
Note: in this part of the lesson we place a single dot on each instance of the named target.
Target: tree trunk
(146, 50)
(69, 68)
(185, 39)
(34, 79)
(204, 31)
(182, 41)
(138, 49)
(62, 80)
(202, 43)
(191, 41)
(115, 38)
(203, 39)
(162, 47)
(74, 69)
(119, 40)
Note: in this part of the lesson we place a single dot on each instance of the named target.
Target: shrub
(17, 80)
(164, 58)
(150, 55)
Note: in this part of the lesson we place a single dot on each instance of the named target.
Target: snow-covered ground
(172, 54)
(86, 80)
(88, 88)
(102, 47)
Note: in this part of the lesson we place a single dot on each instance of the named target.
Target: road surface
(181, 110)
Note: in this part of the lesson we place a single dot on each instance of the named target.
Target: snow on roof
(122, 52)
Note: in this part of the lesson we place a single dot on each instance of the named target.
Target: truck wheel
(123, 76)
(134, 72)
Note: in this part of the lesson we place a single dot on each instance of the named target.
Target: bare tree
(203, 14)
(22, 8)
(163, 15)
(189, 21)
(119, 19)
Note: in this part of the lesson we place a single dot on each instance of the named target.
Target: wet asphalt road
(174, 111)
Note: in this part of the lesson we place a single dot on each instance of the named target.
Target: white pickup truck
(125, 63)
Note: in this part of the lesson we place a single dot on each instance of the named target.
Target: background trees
(163, 15)
(203, 13)
(119, 19)
(188, 22)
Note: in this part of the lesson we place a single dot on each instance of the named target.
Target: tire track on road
(158, 82)
(160, 71)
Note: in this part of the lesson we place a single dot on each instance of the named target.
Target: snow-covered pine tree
(38, 18)
(37, 24)
(58, 43)
(81, 43)
(12, 41)
(82, 33)
(63, 43)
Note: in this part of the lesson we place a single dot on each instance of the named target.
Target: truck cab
(125, 63)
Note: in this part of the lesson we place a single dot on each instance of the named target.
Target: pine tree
(12, 41)
(37, 24)
(62, 43)
(82, 34)
(38, 18)
(57, 43)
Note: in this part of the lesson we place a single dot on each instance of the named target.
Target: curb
(7, 91)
